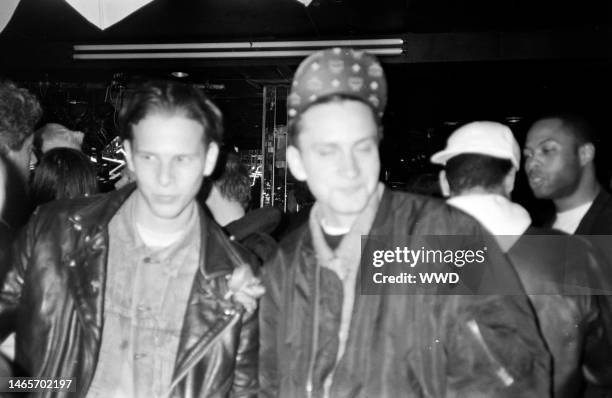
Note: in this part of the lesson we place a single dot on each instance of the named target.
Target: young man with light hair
(319, 336)
(137, 293)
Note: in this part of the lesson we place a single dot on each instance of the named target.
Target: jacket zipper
(501, 372)
(315, 333)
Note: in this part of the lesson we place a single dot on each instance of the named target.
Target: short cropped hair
(63, 173)
(293, 129)
(172, 98)
(232, 179)
(19, 113)
(468, 170)
(576, 124)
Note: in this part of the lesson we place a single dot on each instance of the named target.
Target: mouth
(164, 198)
(349, 190)
(536, 180)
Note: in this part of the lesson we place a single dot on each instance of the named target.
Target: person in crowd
(20, 111)
(228, 197)
(137, 293)
(5, 245)
(6, 232)
(560, 165)
(559, 161)
(3, 224)
(480, 162)
(63, 173)
(55, 135)
(319, 336)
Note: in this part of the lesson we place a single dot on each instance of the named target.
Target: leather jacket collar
(98, 214)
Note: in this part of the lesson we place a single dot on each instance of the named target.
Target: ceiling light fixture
(222, 54)
(180, 75)
(240, 45)
(279, 49)
(514, 119)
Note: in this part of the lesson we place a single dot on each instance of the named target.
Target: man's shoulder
(555, 255)
(409, 199)
(289, 251)
(429, 215)
(599, 215)
(295, 239)
(66, 209)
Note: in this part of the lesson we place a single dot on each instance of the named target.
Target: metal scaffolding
(274, 146)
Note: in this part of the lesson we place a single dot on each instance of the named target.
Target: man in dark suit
(559, 162)
(560, 165)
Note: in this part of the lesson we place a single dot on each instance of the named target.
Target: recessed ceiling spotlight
(180, 75)
(513, 119)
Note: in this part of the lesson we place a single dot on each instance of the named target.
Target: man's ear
(444, 186)
(509, 180)
(212, 153)
(294, 160)
(586, 153)
(129, 155)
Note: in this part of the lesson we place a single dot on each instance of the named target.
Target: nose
(530, 164)
(350, 165)
(165, 174)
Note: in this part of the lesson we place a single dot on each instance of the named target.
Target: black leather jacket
(53, 299)
(561, 273)
(433, 346)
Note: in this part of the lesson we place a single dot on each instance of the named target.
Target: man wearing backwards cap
(321, 339)
(481, 160)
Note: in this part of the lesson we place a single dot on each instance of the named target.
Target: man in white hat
(480, 164)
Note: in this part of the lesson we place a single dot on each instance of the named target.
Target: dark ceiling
(462, 59)
(210, 20)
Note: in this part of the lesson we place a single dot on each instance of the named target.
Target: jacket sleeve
(13, 280)
(269, 313)
(495, 348)
(597, 366)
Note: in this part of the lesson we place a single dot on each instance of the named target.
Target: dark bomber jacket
(438, 346)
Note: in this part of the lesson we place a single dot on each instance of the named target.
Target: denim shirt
(144, 304)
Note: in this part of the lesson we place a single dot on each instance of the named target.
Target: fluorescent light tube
(220, 54)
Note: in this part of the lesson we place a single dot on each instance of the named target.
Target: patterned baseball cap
(338, 71)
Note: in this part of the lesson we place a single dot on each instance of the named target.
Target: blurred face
(337, 156)
(168, 158)
(23, 158)
(2, 186)
(551, 160)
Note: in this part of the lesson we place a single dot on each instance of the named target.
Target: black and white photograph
(305, 199)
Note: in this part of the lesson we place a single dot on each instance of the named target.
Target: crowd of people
(170, 286)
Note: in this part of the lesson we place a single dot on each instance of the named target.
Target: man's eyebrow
(544, 141)
(365, 139)
(325, 144)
